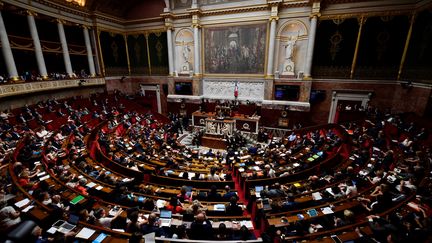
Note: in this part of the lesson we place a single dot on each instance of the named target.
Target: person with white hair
(271, 173)
(9, 217)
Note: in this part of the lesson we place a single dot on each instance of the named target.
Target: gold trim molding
(32, 87)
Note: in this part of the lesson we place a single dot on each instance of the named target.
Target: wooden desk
(278, 222)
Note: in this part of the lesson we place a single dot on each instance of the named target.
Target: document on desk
(44, 177)
(99, 188)
(22, 203)
(91, 185)
(25, 210)
(316, 196)
(160, 203)
(327, 210)
(85, 233)
(219, 207)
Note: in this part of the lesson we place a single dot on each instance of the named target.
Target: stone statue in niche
(288, 67)
(186, 56)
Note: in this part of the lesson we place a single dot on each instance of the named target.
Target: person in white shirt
(351, 189)
(213, 176)
(102, 218)
(42, 132)
(270, 171)
(292, 137)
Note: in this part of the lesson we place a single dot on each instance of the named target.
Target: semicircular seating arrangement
(104, 167)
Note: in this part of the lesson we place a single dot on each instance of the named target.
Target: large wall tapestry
(138, 54)
(114, 53)
(158, 50)
(235, 49)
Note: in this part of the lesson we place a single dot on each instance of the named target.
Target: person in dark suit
(201, 228)
(213, 195)
(233, 209)
(228, 193)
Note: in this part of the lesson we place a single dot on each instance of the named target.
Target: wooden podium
(217, 129)
(242, 123)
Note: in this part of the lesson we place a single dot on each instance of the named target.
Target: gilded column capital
(196, 26)
(31, 13)
(60, 21)
(362, 20)
(273, 18)
(170, 27)
(315, 15)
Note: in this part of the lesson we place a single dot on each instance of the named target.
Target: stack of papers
(85, 233)
(22, 203)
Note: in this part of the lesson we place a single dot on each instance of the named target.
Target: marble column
(7, 51)
(94, 41)
(37, 45)
(90, 59)
(271, 49)
(196, 50)
(66, 57)
(310, 47)
(170, 51)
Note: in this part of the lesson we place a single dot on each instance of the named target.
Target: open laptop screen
(165, 214)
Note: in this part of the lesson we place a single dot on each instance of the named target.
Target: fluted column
(170, 51)
(271, 49)
(37, 45)
(196, 50)
(89, 52)
(310, 46)
(7, 51)
(66, 57)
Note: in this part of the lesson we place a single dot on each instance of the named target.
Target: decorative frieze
(24, 88)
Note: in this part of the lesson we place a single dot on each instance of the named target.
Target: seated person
(184, 195)
(103, 220)
(9, 217)
(213, 195)
(228, 193)
(223, 233)
(152, 225)
(233, 209)
(201, 228)
(174, 205)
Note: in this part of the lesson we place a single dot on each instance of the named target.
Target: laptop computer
(266, 204)
(65, 227)
(258, 190)
(165, 218)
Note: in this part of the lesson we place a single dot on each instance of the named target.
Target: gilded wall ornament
(335, 40)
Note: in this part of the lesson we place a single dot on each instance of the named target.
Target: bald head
(200, 218)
